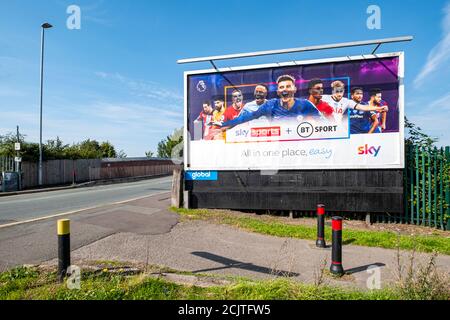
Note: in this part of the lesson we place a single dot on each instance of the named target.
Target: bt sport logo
(366, 150)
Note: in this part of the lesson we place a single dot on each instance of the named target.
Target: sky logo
(366, 150)
(201, 176)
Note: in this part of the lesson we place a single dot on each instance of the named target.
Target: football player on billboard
(285, 106)
(260, 94)
(315, 89)
(342, 105)
(361, 121)
(235, 109)
(377, 101)
(205, 117)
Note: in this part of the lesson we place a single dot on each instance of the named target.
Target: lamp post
(43, 26)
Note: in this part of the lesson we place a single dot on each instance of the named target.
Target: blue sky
(117, 79)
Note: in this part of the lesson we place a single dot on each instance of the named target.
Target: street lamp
(43, 26)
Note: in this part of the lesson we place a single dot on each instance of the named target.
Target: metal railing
(7, 164)
(426, 188)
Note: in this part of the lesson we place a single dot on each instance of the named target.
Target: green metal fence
(426, 189)
(6, 164)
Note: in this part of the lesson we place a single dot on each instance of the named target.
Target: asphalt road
(35, 242)
(38, 205)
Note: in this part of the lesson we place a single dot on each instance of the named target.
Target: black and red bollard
(336, 248)
(320, 242)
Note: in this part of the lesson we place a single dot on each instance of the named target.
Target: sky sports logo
(366, 150)
(201, 175)
(266, 132)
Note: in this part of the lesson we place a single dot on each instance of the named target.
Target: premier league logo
(201, 86)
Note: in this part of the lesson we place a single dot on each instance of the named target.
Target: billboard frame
(401, 105)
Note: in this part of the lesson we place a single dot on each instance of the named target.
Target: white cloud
(434, 124)
(132, 127)
(433, 118)
(132, 114)
(440, 53)
(136, 115)
(10, 92)
(442, 103)
(146, 89)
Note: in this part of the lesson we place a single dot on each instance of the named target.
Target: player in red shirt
(205, 117)
(235, 109)
(315, 88)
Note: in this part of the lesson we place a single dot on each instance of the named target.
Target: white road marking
(77, 211)
(78, 191)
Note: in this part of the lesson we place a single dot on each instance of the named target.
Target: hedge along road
(39, 205)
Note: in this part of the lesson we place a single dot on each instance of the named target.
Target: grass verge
(382, 239)
(36, 284)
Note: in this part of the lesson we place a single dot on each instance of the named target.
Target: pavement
(144, 231)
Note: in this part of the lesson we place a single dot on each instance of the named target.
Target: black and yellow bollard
(63, 248)
(336, 247)
(320, 242)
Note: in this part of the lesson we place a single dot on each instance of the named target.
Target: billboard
(340, 113)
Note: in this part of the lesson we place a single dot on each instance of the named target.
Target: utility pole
(44, 26)
(18, 159)
(17, 152)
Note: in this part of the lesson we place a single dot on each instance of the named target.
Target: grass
(36, 284)
(382, 239)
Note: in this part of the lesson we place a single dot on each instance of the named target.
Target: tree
(121, 154)
(90, 149)
(149, 154)
(108, 150)
(29, 151)
(172, 146)
(56, 149)
(415, 136)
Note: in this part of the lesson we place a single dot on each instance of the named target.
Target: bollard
(320, 242)
(336, 250)
(63, 248)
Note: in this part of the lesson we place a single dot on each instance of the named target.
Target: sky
(116, 78)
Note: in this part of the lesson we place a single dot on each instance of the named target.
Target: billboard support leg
(177, 188)
(368, 219)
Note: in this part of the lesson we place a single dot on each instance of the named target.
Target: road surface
(38, 205)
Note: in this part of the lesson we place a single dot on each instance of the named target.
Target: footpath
(143, 237)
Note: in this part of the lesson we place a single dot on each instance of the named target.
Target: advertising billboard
(340, 113)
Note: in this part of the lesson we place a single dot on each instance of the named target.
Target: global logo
(201, 86)
(196, 175)
(369, 150)
(201, 175)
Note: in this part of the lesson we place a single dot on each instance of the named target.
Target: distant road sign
(17, 146)
(18, 159)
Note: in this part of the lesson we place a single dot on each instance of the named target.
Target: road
(102, 211)
(38, 205)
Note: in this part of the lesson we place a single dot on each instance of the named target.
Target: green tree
(108, 150)
(415, 135)
(172, 146)
(149, 154)
(29, 151)
(90, 149)
(54, 149)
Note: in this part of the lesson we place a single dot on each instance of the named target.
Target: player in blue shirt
(361, 121)
(286, 106)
